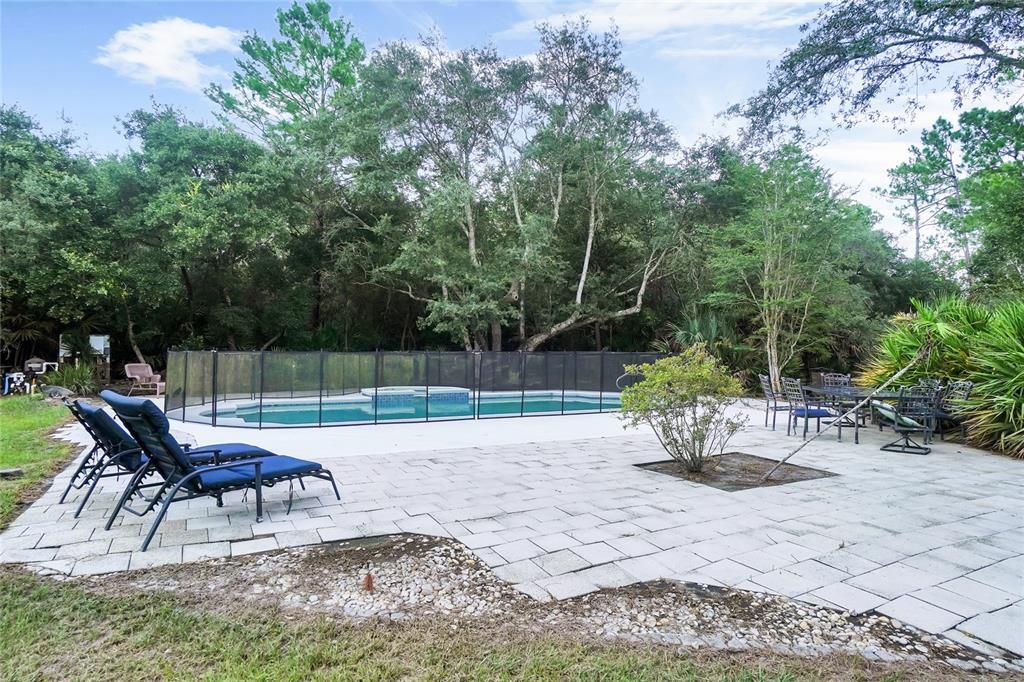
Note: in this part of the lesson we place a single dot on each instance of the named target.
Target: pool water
(418, 409)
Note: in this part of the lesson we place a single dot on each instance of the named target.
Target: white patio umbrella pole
(921, 354)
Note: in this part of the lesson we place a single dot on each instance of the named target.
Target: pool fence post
(600, 385)
(563, 354)
(320, 415)
(522, 383)
(478, 376)
(214, 387)
(376, 382)
(259, 422)
(426, 372)
(184, 389)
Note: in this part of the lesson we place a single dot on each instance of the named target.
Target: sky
(84, 64)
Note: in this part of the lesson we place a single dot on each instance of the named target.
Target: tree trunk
(131, 336)
(495, 335)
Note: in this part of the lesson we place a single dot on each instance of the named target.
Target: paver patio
(934, 541)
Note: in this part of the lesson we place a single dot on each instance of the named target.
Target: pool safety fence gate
(302, 389)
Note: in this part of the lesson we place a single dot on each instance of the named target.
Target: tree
(781, 257)
(599, 156)
(297, 78)
(964, 184)
(859, 52)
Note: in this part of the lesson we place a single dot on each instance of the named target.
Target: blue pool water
(416, 409)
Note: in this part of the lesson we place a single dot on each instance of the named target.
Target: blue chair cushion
(811, 413)
(203, 454)
(274, 466)
(155, 432)
(105, 425)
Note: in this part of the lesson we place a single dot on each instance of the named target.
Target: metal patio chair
(771, 401)
(801, 407)
(913, 413)
(951, 406)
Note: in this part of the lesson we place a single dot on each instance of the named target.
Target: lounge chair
(913, 413)
(141, 378)
(184, 480)
(115, 452)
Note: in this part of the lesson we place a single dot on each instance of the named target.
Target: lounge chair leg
(330, 477)
(291, 494)
(775, 415)
(766, 415)
(160, 516)
(96, 476)
(259, 493)
(74, 477)
(129, 490)
(220, 500)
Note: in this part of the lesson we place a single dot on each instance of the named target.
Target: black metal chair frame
(96, 463)
(916, 404)
(181, 484)
(771, 402)
(797, 398)
(955, 393)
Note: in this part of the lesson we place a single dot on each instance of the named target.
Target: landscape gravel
(409, 576)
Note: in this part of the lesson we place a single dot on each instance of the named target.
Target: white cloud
(646, 20)
(739, 50)
(168, 51)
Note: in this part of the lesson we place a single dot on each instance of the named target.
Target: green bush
(684, 398)
(968, 341)
(995, 410)
(80, 379)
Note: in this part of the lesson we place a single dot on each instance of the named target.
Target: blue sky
(90, 62)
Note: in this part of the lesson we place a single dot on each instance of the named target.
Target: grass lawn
(24, 423)
(63, 631)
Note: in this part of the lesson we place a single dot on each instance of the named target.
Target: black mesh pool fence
(301, 389)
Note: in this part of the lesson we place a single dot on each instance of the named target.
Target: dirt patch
(734, 471)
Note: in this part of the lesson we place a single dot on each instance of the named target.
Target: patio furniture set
(164, 471)
(911, 411)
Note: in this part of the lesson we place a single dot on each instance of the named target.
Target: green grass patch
(25, 422)
(60, 631)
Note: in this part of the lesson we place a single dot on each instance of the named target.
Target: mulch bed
(732, 471)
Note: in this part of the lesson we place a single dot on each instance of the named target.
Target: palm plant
(950, 325)
(996, 407)
(79, 379)
(715, 334)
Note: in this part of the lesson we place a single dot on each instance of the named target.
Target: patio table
(851, 394)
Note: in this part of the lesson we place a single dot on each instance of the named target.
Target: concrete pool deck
(556, 507)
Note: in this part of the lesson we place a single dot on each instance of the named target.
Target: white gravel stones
(417, 577)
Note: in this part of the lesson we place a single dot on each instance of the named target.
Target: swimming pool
(410, 405)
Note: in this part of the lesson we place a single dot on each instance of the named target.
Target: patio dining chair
(801, 407)
(913, 413)
(181, 479)
(771, 401)
(115, 452)
(951, 406)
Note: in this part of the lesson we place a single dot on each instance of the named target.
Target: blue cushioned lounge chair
(115, 452)
(184, 480)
